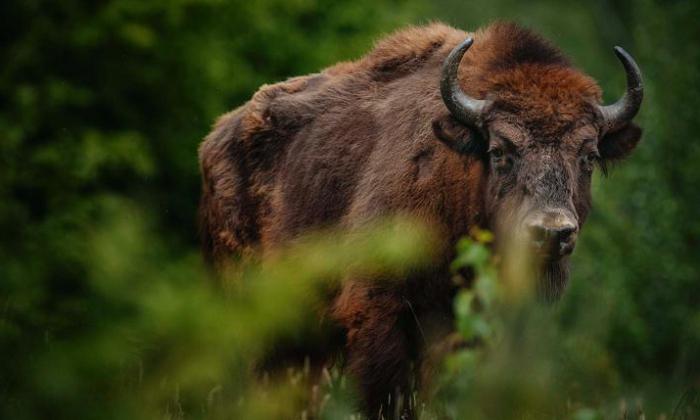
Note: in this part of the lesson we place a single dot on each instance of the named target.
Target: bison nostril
(567, 240)
(553, 239)
(565, 233)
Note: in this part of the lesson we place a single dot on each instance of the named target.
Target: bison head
(541, 132)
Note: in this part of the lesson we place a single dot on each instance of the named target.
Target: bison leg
(380, 349)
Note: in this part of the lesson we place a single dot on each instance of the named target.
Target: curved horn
(464, 108)
(622, 111)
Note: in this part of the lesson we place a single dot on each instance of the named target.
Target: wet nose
(556, 240)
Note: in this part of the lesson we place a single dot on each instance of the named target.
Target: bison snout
(552, 235)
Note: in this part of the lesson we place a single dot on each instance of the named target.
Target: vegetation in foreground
(106, 310)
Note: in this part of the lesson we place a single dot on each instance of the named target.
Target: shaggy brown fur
(358, 140)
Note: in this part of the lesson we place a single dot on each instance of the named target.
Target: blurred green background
(103, 105)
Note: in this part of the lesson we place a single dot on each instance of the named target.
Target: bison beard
(553, 279)
(512, 122)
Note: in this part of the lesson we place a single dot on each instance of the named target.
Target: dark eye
(496, 153)
(500, 161)
(589, 160)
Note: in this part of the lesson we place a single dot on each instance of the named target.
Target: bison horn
(622, 111)
(464, 108)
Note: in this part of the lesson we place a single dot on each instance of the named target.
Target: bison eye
(500, 161)
(496, 153)
(588, 161)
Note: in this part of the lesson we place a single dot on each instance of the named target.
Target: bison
(504, 137)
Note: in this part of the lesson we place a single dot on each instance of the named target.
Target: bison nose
(553, 240)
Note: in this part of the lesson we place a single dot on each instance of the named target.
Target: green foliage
(518, 361)
(105, 310)
(471, 304)
(151, 337)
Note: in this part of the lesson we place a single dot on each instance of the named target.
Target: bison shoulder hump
(407, 50)
(283, 107)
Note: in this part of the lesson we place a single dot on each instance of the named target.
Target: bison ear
(457, 137)
(619, 144)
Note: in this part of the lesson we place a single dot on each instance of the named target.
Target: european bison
(505, 138)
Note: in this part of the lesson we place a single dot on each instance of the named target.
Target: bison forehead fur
(358, 140)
